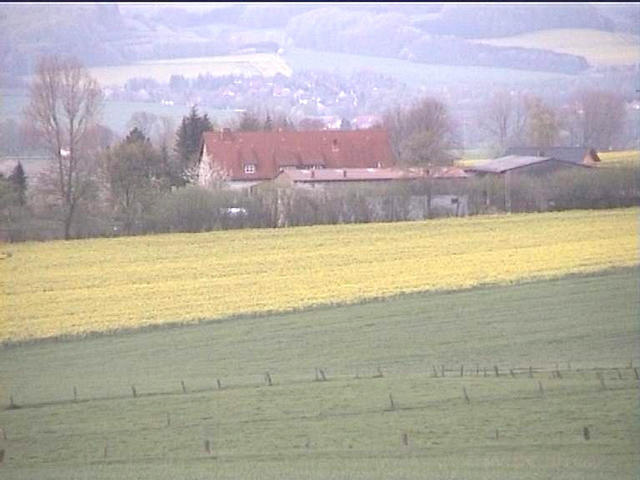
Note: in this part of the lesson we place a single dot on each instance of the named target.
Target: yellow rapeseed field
(77, 287)
(620, 158)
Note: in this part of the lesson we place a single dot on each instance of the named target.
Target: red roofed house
(243, 159)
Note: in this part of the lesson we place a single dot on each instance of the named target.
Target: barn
(519, 164)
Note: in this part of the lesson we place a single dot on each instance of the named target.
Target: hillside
(113, 35)
(596, 46)
(195, 401)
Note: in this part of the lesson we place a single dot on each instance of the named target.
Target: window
(250, 168)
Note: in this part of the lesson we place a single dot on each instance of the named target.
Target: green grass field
(266, 64)
(345, 427)
(115, 114)
(413, 73)
(598, 47)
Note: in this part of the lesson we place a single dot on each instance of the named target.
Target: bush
(195, 209)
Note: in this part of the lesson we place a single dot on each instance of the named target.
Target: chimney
(226, 135)
(344, 173)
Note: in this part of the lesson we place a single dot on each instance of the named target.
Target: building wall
(205, 171)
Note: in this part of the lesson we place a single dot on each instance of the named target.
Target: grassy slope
(299, 428)
(412, 73)
(598, 47)
(190, 67)
(115, 114)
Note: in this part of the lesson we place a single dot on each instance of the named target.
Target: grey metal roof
(565, 154)
(510, 162)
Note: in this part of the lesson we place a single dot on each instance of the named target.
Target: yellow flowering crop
(628, 158)
(76, 287)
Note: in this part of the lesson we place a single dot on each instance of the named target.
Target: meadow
(414, 74)
(261, 64)
(115, 113)
(598, 47)
(196, 402)
(79, 287)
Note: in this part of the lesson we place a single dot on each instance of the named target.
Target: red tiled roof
(270, 152)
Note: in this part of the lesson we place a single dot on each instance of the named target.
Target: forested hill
(431, 33)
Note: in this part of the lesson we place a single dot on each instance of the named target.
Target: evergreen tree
(136, 136)
(249, 122)
(189, 136)
(18, 181)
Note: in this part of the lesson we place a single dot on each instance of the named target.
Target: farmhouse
(244, 159)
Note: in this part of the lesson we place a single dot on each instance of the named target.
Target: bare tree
(65, 104)
(143, 121)
(503, 118)
(542, 125)
(422, 135)
(596, 117)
